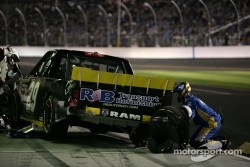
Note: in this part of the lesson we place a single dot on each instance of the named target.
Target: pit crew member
(208, 120)
(8, 58)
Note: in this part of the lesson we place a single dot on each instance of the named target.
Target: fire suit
(209, 121)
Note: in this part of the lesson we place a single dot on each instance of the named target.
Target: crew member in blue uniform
(208, 120)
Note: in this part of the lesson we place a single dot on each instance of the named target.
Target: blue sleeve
(190, 101)
(203, 112)
(204, 107)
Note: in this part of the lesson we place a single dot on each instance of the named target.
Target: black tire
(14, 103)
(155, 147)
(139, 135)
(163, 126)
(52, 128)
(162, 111)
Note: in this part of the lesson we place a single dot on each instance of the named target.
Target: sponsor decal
(98, 95)
(124, 115)
(121, 99)
(28, 94)
(92, 111)
(137, 100)
(34, 95)
(105, 112)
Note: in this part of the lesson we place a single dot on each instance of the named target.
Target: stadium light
(6, 27)
(181, 21)
(209, 20)
(64, 24)
(130, 20)
(25, 24)
(155, 20)
(108, 25)
(85, 21)
(44, 24)
(118, 36)
(238, 22)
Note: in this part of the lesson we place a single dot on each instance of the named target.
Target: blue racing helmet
(181, 88)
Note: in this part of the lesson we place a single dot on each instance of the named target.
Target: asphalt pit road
(78, 157)
(88, 140)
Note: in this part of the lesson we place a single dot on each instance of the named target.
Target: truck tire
(155, 147)
(14, 109)
(159, 139)
(52, 128)
(139, 135)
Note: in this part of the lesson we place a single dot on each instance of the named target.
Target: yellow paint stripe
(36, 122)
(146, 118)
(209, 119)
(89, 75)
(203, 133)
(93, 110)
(245, 147)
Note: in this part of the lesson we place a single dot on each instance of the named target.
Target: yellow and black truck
(91, 90)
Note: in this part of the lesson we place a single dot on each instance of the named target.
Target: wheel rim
(47, 114)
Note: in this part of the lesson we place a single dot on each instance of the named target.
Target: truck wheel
(161, 132)
(155, 147)
(51, 127)
(139, 135)
(14, 107)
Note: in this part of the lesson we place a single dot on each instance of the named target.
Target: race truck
(87, 89)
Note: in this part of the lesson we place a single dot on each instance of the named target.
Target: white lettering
(124, 115)
(114, 114)
(134, 117)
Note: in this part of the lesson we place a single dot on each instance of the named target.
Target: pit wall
(150, 52)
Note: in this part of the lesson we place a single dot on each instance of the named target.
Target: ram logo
(105, 112)
(125, 115)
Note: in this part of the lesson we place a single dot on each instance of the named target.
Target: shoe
(199, 144)
(226, 144)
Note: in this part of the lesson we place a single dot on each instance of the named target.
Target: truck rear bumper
(80, 115)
